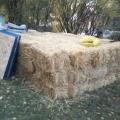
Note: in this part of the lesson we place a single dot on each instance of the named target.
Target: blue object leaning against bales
(13, 55)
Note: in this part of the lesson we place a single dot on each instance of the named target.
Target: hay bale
(61, 67)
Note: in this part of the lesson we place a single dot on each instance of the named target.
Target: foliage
(109, 7)
(30, 12)
(37, 12)
(13, 8)
(72, 16)
(75, 16)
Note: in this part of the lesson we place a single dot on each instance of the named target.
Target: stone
(57, 64)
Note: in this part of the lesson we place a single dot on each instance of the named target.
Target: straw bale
(57, 64)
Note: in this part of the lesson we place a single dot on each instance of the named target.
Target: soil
(20, 102)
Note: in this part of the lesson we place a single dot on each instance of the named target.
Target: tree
(13, 8)
(36, 12)
(71, 14)
(74, 16)
(30, 12)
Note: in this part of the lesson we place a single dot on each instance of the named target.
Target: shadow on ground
(19, 102)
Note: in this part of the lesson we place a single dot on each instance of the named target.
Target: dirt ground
(20, 102)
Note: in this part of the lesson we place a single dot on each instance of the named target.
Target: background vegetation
(72, 16)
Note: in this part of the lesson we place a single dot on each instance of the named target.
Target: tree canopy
(72, 15)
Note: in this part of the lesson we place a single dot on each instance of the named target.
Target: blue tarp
(13, 56)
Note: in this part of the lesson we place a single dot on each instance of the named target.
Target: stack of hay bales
(57, 64)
